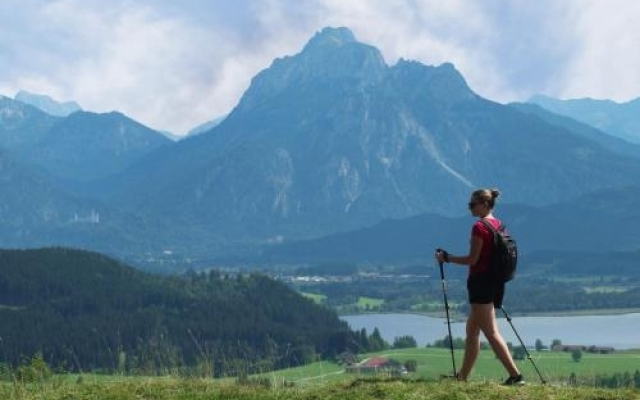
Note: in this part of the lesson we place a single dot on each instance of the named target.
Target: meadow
(328, 380)
(556, 367)
(354, 388)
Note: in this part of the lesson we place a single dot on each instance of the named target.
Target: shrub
(411, 365)
(34, 370)
(576, 355)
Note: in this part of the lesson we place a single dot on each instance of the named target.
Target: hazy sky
(174, 64)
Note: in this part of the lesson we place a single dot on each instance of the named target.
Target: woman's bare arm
(471, 258)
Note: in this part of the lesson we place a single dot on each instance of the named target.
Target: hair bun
(495, 193)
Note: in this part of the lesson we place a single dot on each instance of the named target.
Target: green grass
(368, 303)
(555, 366)
(315, 374)
(353, 389)
(317, 298)
(363, 303)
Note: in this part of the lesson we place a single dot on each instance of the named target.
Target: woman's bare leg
(472, 346)
(486, 320)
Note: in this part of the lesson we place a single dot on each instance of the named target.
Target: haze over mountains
(329, 140)
(617, 119)
(47, 104)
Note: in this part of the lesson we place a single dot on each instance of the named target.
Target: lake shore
(456, 316)
(617, 328)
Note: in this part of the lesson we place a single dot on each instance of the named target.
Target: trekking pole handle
(440, 263)
(445, 255)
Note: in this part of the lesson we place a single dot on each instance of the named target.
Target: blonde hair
(488, 196)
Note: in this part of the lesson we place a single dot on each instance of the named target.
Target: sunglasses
(473, 204)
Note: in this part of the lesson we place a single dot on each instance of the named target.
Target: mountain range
(47, 104)
(595, 223)
(609, 141)
(617, 119)
(324, 142)
(81, 146)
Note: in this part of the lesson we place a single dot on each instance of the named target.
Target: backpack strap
(491, 228)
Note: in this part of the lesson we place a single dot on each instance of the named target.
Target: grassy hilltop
(357, 389)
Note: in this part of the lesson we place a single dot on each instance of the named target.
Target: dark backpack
(504, 256)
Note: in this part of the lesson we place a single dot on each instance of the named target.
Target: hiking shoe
(517, 380)
(455, 377)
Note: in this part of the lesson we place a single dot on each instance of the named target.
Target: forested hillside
(84, 311)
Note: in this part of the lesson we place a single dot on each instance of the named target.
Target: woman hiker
(484, 290)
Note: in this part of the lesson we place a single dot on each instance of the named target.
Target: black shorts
(485, 289)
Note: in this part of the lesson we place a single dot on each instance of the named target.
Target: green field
(368, 303)
(363, 303)
(433, 362)
(317, 298)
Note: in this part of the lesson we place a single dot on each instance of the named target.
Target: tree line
(83, 311)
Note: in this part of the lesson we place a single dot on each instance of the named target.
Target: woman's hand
(442, 256)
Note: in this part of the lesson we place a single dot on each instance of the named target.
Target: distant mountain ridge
(82, 146)
(609, 141)
(567, 227)
(207, 126)
(47, 104)
(618, 119)
(22, 125)
(87, 146)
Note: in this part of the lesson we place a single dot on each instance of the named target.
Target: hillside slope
(84, 311)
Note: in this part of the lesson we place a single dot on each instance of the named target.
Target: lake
(618, 331)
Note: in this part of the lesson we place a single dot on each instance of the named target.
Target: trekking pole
(446, 307)
(508, 317)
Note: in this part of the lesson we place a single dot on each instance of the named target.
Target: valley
(417, 289)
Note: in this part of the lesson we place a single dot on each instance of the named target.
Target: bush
(34, 370)
(576, 355)
(5, 372)
(411, 365)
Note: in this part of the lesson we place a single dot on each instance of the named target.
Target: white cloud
(608, 60)
(148, 66)
(493, 44)
(169, 71)
(174, 65)
(430, 31)
(155, 68)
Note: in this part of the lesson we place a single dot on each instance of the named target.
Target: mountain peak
(47, 104)
(330, 36)
(332, 58)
